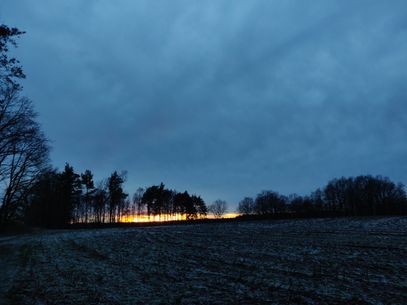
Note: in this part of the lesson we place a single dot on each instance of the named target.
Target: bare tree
(218, 208)
(100, 201)
(246, 206)
(23, 151)
(269, 202)
(23, 147)
(138, 204)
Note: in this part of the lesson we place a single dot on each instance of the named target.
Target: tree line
(60, 198)
(352, 196)
(165, 203)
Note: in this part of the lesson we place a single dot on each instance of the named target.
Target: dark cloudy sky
(224, 98)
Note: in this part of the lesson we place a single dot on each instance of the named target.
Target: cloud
(222, 98)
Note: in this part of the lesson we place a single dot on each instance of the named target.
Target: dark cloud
(223, 98)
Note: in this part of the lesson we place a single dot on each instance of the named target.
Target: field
(319, 261)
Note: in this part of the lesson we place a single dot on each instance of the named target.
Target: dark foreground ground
(324, 261)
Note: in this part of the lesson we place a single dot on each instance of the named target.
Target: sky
(222, 98)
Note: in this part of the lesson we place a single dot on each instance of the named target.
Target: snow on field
(321, 261)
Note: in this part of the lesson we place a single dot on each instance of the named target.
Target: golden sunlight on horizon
(227, 215)
(164, 218)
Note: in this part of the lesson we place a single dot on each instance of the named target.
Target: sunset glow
(152, 218)
(163, 218)
(227, 215)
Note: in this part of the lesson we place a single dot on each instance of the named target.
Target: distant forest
(34, 193)
(353, 196)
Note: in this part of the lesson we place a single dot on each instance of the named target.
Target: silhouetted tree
(69, 194)
(151, 198)
(246, 206)
(87, 182)
(44, 208)
(116, 196)
(218, 208)
(137, 204)
(53, 198)
(183, 205)
(23, 147)
(125, 209)
(10, 70)
(269, 202)
(100, 200)
(361, 195)
(166, 204)
(158, 200)
(189, 206)
(365, 195)
(200, 208)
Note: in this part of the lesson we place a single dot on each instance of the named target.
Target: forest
(352, 196)
(60, 198)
